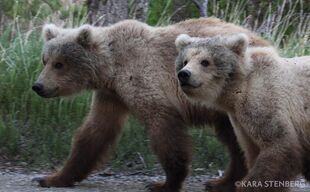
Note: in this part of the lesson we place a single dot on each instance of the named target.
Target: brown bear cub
(130, 68)
(266, 97)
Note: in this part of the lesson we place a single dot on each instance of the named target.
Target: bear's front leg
(170, 142)
(92, 142)
(276, 166)
(306, 166)
(236, 169)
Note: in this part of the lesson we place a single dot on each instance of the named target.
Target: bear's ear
(182, 41)
(238, 43)
(50, 31)
(84, 36)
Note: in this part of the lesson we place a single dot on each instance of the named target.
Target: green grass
(40, 131)
(37, 129)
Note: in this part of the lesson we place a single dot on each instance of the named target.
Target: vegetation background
(38, 132)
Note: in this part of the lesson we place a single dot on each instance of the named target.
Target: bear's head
(70, 64)
(204, 65)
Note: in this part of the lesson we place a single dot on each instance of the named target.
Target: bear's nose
(38, 87)
(184, 76)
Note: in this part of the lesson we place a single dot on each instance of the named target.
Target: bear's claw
(219, 185)
(160, 187)
(156, 187)
(41, 181)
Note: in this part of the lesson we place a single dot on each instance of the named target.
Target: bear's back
(300, 96)
(286, 81)
(208, 27)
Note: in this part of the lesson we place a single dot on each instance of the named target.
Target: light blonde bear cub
(266, 97)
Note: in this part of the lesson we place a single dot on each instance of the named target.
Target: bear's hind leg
(92, 141)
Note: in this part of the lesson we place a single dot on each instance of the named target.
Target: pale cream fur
(267, 99)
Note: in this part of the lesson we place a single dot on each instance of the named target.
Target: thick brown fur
(130, 67)
(266, 97)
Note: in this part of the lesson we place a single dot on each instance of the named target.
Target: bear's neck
(234, 86)
(237, 88)
(100, 72)
(133, 49)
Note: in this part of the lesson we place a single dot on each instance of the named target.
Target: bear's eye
(185, 63)
(58, 65)
(205, 63)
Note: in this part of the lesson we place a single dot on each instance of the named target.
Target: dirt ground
(21, 182)
(13, 182)
(18, 178)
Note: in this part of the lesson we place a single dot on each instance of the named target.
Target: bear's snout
(38, 88)
(184, 76)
